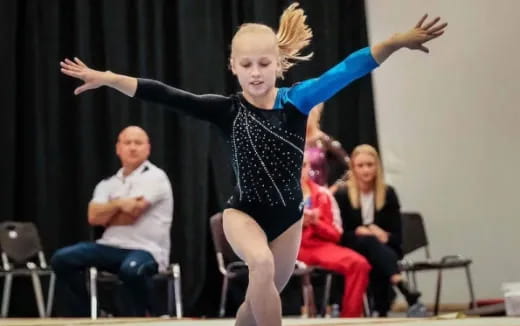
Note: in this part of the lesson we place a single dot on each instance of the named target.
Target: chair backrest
(20, 241)
(414, 233)
(219, 239)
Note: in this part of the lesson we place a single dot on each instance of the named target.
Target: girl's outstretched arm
(308, 93)
(94, 78)
(209, 107)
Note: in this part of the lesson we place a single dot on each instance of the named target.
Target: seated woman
(319, 247)
(371, 218)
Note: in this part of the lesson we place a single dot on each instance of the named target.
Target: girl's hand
(420, 34)
(77, 69)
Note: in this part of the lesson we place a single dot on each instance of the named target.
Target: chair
(367, 309)
(414, 237)
(230, 266)
(22, 255)
(172, 275)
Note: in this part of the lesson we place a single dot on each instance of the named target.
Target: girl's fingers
(430, 24)
(80, 62)
(71, 73)
(81, 89)
(432, 36)
(421, 21)
(69, 67)
(435, 29)
(424, 49)
(70, 62)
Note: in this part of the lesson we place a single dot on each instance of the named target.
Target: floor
(448, 320)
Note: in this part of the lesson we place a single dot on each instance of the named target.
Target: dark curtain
(57, 146)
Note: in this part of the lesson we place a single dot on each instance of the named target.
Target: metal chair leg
(470, 287)
(414, 278)
(223, 297)
(38, 293)
(310, 293)
(178, 290)
(171, 290)
(366, 306)
(438, 292)
(50, 294)
(6, 296)
(326, 294)
(308, 296)
(93, 293)
(305, 296)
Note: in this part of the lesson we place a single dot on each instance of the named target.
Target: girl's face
(255, 62)
(364, 167)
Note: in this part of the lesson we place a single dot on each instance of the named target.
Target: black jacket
(388, 218)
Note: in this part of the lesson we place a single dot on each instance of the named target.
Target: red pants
(345, 261)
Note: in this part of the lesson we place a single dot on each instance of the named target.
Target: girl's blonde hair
(379, 183)
(292, 36)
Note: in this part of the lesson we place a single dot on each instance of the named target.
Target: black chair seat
(104, 276)
(414, 237)
(172, 275)
(22, 255)
(26, 272)
(303, 271)
(427, 265)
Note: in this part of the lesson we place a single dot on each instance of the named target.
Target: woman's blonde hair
(292, 36)
(379, 183)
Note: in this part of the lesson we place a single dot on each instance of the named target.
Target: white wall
(449, 129)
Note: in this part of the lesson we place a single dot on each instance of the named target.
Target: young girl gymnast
(265, 127)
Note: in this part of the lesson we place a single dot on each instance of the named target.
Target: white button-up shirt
(151, 231)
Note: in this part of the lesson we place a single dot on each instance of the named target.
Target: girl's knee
(261, 266)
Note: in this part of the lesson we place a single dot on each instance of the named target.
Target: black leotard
(266, 144)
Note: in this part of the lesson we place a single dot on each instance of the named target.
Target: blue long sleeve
(307, 94)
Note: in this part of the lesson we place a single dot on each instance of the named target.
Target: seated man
(135, 206)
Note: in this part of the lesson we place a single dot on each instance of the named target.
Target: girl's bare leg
(284, 250)
(262, 306)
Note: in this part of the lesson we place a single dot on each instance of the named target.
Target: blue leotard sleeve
(305, 95)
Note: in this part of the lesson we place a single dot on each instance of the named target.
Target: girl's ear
(279, 72)
(231, 66)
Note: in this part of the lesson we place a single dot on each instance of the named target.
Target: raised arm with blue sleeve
(305, 95)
